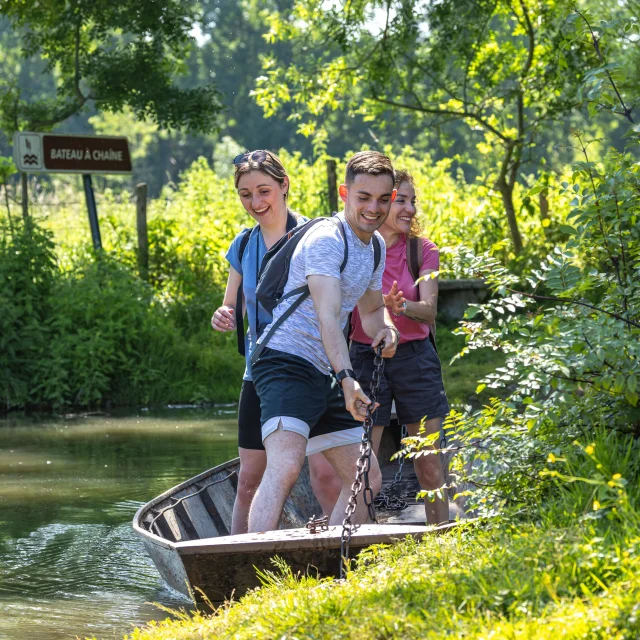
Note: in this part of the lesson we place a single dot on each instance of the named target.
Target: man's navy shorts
(291, 387)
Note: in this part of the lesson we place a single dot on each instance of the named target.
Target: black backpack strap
(304, 294)
(414, 256)
(292, 220)
(244, 241)
(414, 264)
(343, 266)
(377, 252)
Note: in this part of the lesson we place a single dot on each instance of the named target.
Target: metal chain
(384, 500)
(362, 466)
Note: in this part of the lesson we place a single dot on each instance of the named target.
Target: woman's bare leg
(430, 472)
(253, 462)
(325, 482)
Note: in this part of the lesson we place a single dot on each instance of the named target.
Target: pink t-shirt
(396, 269)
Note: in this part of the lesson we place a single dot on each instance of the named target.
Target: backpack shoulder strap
(377, 252)
(346, 244)
(414, 256)
(244, 241)
(245, 234)
(304, 294)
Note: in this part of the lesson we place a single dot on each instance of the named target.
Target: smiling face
(367, 200)
(263, 197)
(403, 210)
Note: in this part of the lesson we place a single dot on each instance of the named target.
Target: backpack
(245, 235)
(274, 274)
(414, 264)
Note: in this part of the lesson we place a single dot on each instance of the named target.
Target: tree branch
(596, 46)
(445, 112)
(580, 303)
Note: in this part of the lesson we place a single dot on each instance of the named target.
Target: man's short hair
(372, 163)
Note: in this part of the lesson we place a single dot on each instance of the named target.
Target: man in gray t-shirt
(320, 253)
(310, 399)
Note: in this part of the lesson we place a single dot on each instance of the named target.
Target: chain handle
(363, 466)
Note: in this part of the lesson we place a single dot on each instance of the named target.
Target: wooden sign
(54, 153)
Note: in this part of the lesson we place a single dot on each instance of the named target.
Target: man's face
(367, 201)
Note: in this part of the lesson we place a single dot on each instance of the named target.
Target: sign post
(54, 153)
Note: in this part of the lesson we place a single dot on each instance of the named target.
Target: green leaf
(632, 398)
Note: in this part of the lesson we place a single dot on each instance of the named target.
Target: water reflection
(69, 561)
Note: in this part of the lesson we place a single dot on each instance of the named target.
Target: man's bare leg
(344, 460)
(252, 465)
(376, 438)
(430, 472)
(325, 482)
(285, 455)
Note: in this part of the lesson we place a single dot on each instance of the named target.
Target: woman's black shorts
(413, 378)
(249, 427)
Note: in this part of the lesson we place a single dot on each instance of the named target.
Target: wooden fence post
(143, 237)
(25, 195)
(332, 186)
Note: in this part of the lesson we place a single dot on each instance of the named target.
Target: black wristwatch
(345, 373)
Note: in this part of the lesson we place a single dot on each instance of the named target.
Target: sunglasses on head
(251, 156)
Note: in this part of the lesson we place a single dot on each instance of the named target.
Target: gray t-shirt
(321, 252)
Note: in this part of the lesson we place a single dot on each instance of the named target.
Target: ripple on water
(70, 564)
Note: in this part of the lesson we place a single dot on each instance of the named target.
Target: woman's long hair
(402, 175)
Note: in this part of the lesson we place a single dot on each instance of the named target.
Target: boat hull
(186, 534)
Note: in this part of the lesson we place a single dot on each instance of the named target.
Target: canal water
(70, 565)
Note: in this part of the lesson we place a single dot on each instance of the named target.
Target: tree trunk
(332, 188)
(25, 196)
(506, 192)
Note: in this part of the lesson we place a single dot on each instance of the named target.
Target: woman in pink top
(413, 377)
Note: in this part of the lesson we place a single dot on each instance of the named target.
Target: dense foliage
(112, 55)
(497, 66)
(96, 334)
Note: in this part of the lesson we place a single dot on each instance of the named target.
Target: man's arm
(327, 300)
(377, 323)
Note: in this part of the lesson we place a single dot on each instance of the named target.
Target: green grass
(531, 581)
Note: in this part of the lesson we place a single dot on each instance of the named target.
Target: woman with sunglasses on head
(413, 377)
(262, 184)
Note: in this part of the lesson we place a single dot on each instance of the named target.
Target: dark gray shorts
(413, 378)
(249, 427)
(296, 395)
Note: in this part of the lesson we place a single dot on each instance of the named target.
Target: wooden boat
(186, 533)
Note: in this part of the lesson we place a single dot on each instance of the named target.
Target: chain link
(384, 499)
(362, 466)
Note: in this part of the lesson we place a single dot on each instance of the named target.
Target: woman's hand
(223, 319)
(395, 300)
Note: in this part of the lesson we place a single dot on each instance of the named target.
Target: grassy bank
(564, 564)
(529, 581)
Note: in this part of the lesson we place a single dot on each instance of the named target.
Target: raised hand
(394, 300)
